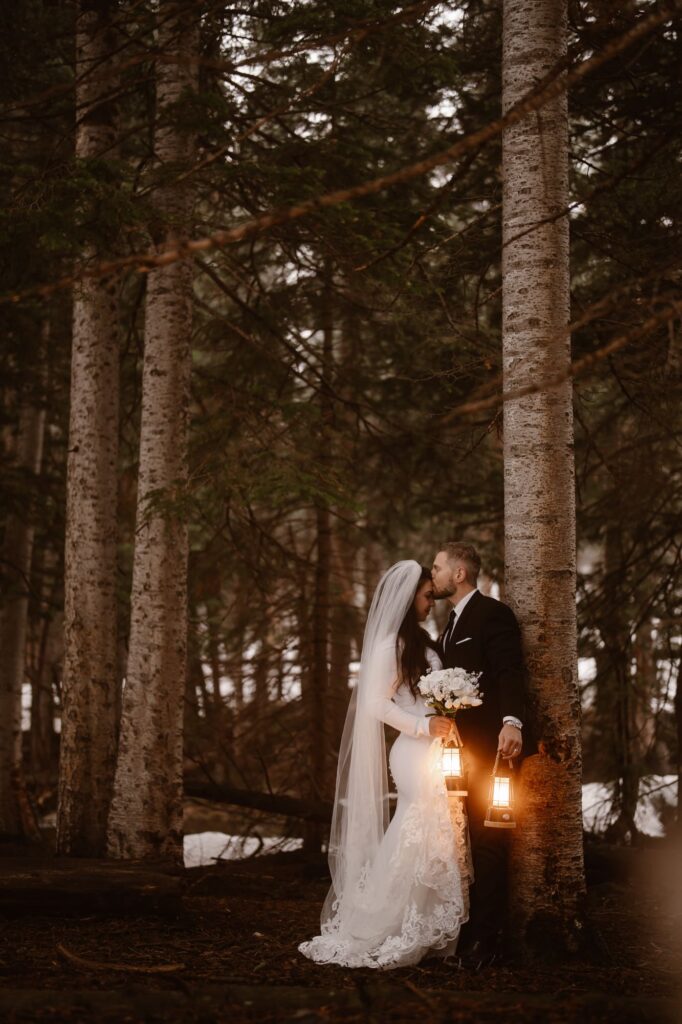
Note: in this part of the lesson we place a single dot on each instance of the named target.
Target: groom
(482, 635)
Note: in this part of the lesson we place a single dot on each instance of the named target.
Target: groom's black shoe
(479, 953)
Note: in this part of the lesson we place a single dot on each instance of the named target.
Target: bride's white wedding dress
(412, 897)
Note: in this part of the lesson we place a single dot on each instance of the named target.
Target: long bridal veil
(361, 811)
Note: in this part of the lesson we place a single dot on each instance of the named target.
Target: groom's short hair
(467, 555)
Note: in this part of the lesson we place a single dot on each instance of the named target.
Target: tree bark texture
(547, 871)
(146, 813)
(16, 565)
(88, 734)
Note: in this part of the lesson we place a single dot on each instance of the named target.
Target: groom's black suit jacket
(487, 639)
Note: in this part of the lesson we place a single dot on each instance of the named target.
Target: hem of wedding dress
(442, 866)
(341, 957)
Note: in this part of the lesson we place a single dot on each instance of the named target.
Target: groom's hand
(440, 726)
(509, 742)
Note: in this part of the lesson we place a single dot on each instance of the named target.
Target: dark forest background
(331, 356)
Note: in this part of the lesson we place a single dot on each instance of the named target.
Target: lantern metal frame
(500, 816)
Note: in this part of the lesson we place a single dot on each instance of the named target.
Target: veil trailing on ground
(360, 815)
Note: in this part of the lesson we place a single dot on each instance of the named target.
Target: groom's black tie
(449, 628)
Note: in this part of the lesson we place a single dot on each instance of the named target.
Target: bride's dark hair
(411, 652)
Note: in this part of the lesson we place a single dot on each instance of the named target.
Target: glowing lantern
(500, 813)
(451, 763)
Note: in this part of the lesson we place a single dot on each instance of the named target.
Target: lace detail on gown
(414, 897)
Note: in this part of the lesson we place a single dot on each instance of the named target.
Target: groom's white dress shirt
(458, 609)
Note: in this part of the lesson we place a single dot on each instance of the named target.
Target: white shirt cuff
(511, 720)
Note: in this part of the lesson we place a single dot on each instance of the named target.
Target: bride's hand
(439, 726)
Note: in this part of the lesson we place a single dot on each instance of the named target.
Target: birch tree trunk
(88, 738)
(16, 563)
(146, 812)
(547, 862)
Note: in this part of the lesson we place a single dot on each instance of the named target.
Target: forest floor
(90, 941)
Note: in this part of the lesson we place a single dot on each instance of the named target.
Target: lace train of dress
(413, 898)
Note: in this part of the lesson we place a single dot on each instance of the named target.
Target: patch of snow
(597, 813)
(205, 848)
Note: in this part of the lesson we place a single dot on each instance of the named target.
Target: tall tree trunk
(312, 833)
(615, 685)
(344, 618)
(235, 709)
(215, 662)
(88, 735)
(678, 756)
(146, 812)
(47, 662)
(342, 629)
(646, 693)
(548, 874)
(236, 663)
(319, 674)
(42, 703)
(16, 565)
(261, 674)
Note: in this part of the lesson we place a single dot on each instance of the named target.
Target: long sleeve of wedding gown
(390, 705)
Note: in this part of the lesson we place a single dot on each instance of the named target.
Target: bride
(399, 891)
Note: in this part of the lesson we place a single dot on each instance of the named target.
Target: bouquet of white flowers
(449, 690)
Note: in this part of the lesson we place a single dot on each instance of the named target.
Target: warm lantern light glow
(501, 791)
(500, 813)
(452, 761)
(452, 766)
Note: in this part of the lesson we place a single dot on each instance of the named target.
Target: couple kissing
(431, 879)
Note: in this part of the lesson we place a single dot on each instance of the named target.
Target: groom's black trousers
(489, 850)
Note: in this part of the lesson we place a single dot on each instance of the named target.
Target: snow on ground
(653, 790)
(205, 848)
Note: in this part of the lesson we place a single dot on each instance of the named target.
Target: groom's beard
(440, 594)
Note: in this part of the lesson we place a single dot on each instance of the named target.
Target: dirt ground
(220, 945)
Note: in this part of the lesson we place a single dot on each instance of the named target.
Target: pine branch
(560, 80)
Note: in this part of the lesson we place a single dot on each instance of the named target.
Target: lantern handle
(509, 760)
(454, 735)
